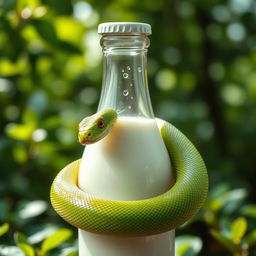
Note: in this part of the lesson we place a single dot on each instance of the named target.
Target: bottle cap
(124, 28)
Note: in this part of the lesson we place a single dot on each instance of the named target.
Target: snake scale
(133, 218)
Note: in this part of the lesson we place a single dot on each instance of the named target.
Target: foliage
(201, 73)
(25, 247)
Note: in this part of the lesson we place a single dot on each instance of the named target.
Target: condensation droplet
(125, 75)
(131, 98)
(131, 85)
(128, 68)
(122, 70)
(130, 107)
(125, 92)
(139, 69)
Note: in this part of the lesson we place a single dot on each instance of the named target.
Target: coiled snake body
(133, 218)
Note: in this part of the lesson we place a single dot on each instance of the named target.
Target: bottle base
(91, 244)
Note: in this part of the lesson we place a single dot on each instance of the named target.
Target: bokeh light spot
(240, 6)
(82, 10)
(39, 135)
(221, 13)
(166, 79)
(233, 95)
(26, 13)
(40, 11)
(236, 32)
(5, 86)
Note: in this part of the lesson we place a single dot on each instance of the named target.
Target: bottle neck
(125, 85)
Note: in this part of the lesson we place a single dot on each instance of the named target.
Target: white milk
(130, 163)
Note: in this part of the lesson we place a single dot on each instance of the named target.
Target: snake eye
(101, 123)
(89, 134)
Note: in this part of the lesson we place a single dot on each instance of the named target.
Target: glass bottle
(131, 162)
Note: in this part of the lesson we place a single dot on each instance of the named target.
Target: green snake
(140, 217)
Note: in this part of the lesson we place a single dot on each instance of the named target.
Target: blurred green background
(202, 79)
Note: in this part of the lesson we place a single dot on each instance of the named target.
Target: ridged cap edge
(124, 28)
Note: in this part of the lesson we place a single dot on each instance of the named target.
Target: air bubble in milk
(125, 75)
(125, 93)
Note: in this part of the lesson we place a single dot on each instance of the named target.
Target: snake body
(141, 217)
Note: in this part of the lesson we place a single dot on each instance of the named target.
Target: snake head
(97, 126)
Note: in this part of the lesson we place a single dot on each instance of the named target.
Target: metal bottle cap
(124, 28)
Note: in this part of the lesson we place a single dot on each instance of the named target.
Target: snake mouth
(85, 141)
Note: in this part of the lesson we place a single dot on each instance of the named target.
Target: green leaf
(20, 238)
(69, 251)
(74, 253)
(187, 245)
(238, 229)
(4, 228)
(250, 239)
(234, 199)
(47, 31)
(249, 210)
(26, 249)
(39, 252)
(182, 250)
(20, 153)
(19, 131)
(30, 116)
(21, 4)
(223, 197)
(225, 241)
(56, 239)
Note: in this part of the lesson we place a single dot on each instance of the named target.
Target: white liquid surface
(130, 163)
